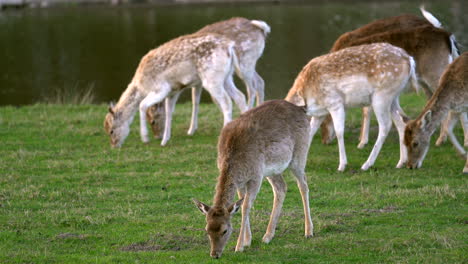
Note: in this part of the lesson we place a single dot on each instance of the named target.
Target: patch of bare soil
(166, 242)
(388, 209)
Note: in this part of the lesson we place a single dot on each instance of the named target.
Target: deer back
(181, 60)
(249, 38)
(264, 136)
(402, 22)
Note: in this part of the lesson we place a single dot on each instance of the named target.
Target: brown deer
(450, 97)
(432, 47)
(373, 74)
(262, 142)
(249, 37)
(201, 59)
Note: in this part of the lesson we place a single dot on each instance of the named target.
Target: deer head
(417, 139)
(156, 117)
(115, 127)
(218, 224)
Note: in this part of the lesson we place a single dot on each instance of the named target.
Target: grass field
(67, 197)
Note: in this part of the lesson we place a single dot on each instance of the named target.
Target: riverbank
(10, 4)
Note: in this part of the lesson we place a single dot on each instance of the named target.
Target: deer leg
(235, 94)
(315, 122)
(170, 105)
(328, 133)
(248, 234)
(298, 171)
(244, 240)
(464, 122)
(444, 130)
(450, 125)
(151, 99)
(259, 88)
(221, 98)
(366, 118)
(279, 192)
(465, 169)
(400, 126)
(196, 94)
(338, 116)
(247, 76)
(382, 112)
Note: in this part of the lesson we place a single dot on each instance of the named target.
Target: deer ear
(426, 118)
(201, 206)
(402, 118)
(233, 208)
(111, 108)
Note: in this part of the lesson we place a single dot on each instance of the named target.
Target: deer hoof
(365, 166)
(267, 238)
(341, 167)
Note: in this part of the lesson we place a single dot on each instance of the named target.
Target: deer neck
(128, 103)
(225, 189)
(439, 105)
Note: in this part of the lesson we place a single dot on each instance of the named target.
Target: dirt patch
(388, 209)
(70, 236)
(166, 242)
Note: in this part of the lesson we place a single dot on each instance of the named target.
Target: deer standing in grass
(193, 60)
(249, 37)
(373, 74)
(432, 47)
(450, 97)
(262, 142)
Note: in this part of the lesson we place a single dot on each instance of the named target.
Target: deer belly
(275, 168)
(356, 90)
(182, 75)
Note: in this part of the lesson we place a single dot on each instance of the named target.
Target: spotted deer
(249, 37)
(201, 59)
(373, 74)
(450, 99)
(432, 47)
(262, 142)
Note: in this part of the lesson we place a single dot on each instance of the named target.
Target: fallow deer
(373, 74)
(262, 142)
(450, 97)
(199, 59)
(249, 37)
(432, 47)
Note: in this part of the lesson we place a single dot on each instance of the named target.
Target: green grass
(67, 197)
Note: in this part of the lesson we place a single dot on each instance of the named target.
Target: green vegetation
(67, 197)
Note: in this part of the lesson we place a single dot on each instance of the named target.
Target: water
(99, 47)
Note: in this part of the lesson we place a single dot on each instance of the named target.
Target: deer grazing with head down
(450, 97)
(249, 37)
(373, 74)
(432, 47)
(200, 59)
(262, 142)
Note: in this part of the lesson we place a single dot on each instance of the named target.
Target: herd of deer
(368, 67)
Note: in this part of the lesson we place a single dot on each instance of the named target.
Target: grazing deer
(262, 142)
(192, 60)
(373, 74)
(432, 47)
(450, 97)
(249, 37)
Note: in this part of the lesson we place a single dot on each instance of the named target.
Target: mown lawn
(67, 197)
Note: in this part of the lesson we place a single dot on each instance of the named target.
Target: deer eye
(225, 231)
(415, 144)
(112, 132)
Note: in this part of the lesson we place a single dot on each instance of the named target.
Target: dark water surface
(99, 47)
